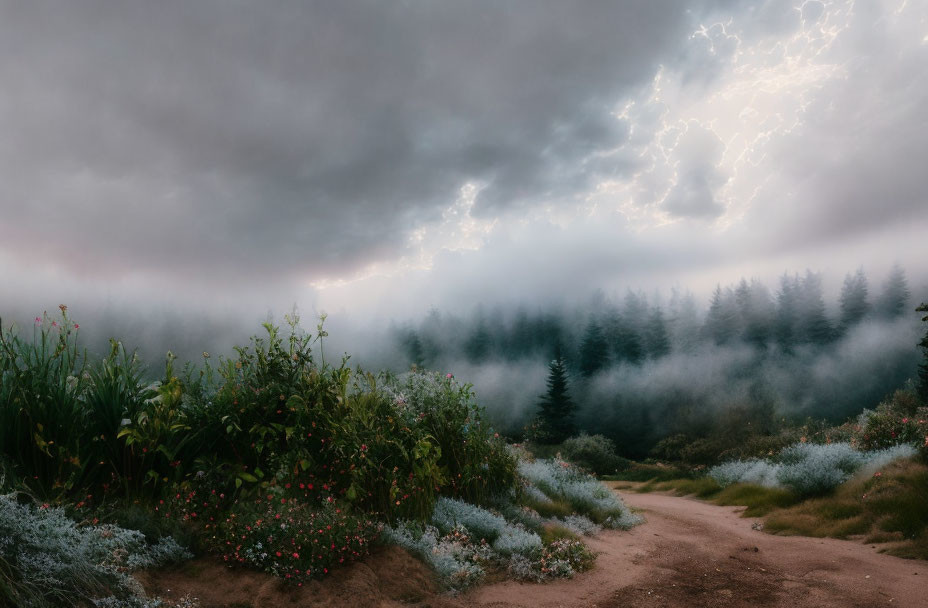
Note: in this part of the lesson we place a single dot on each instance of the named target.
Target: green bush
(898, 420)
(594, 453)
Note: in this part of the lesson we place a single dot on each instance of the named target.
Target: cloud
(290, 139)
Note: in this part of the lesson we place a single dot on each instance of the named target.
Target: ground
(688, 554)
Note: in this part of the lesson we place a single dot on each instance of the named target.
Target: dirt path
(689, 554)
(694, 554)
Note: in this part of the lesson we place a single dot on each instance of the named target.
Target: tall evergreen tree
(720, 326)
(895, 296)
(923, 366)
(477, 346)
(414, 351)
(787, 312)
(684, 324)
(656, 339)
(814, 326)
(555, 421)
(594, 351)
(854, 305)
(756, 313)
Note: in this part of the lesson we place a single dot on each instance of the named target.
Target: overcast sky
(377, 158)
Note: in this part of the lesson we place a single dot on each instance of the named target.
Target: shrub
(478, 462)
(806, 468)
(454, 557)
(580, 525)
(561, 481)
(754, 471)
(560, 559)
(47, 559)
(291, 539)
(898, 420)
(450, 513)
(595, 453)
(514, 539)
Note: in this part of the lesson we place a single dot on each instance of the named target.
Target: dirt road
(695, 554)
(689, 554)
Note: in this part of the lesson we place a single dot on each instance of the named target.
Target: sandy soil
(688, 554)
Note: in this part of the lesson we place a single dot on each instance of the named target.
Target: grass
(890, 506)
(551, 532)
(649, 472)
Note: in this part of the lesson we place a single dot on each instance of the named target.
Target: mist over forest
(643, 368)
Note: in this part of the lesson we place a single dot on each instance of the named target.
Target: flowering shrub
(47, 559)
(896, 421)
(807, 468)
(291, 539)
(478, 461)
(560, 559)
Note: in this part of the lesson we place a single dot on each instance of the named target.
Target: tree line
(636, 328)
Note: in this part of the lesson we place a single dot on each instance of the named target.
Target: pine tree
(814, 326)
(785, 325)
(594, 351)
(854, 305)
(922, 387)
(895, 296)
(556, 416)
(722, 317)
(414, 351)
(656, 338)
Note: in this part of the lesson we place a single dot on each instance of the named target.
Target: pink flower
(76, 326)
(38, 320)
(449, 375)
(363, 447)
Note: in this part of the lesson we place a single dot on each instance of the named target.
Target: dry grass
(889, 507)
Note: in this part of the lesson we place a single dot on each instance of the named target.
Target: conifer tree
(895, 296)
(658, 342)
(556, 416)
(854, 305)
(922, 386)
(594, 351)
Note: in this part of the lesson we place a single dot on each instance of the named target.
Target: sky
(375, 159)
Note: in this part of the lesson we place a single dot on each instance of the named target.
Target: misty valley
(281, 458)
(473, 304)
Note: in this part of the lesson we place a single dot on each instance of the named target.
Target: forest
(644, 369)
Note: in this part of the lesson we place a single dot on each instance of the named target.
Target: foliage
(561, 481)
(807, 469)
(273, 431)
(555, 421)
(291, 539)
(48, 559)
(596, 453)
(888, 505)
(898, 420)
(458, 562)
(923, 366)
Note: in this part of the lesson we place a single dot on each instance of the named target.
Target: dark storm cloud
(277, 138)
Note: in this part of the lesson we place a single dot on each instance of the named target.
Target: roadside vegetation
(276, 459)
(872, 487)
